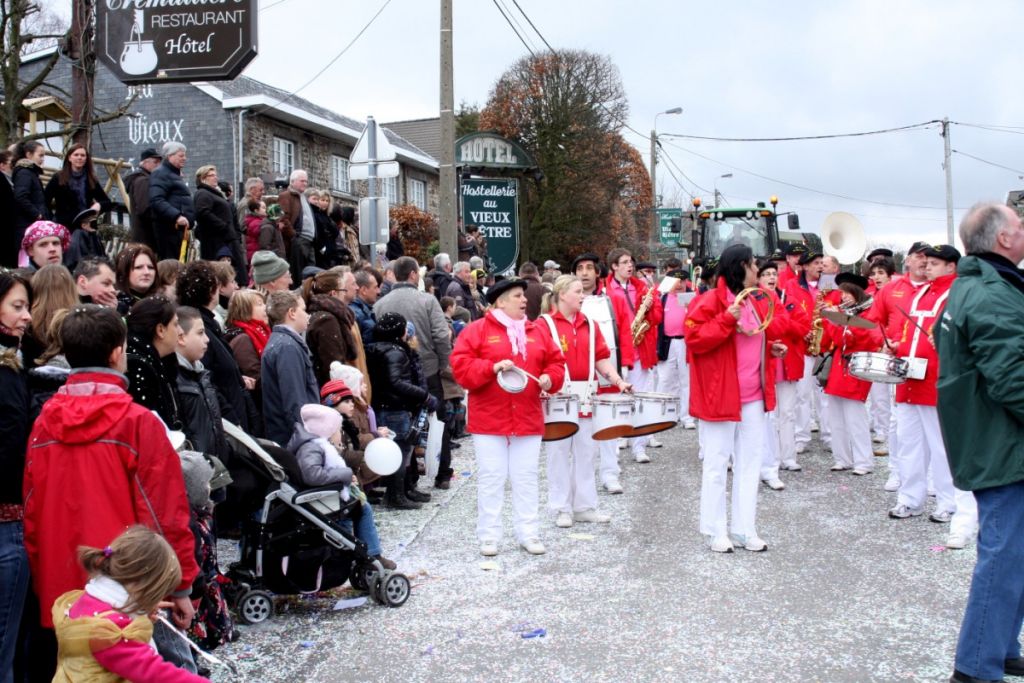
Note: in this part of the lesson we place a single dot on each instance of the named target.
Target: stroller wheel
(362, 577)
(255, 606)
(394, 590)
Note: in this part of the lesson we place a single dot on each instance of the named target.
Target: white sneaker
(861, 471)
(642, 457)
(902, 511)
(813, 427)
(721, 544)
(564, 520)
(592, 516)
(534, 546)
(792, 466)
(752, 543)
(774, 484)
(892, 484)
(940, 517)
(613, 486)
(801, 448)
(654, 443)
(488, 548)
(689, 424)
(623, 443)
(957, 541)
(838, 468)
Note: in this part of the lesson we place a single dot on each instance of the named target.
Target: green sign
(487, 150)
(492, 204)
(667, 219)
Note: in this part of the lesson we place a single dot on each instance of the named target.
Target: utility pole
(947, 165)
(447, 227)
(82, 53)
(654, 188)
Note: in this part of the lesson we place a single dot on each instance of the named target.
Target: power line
(882, 131)
(329, 64)
(986, 161)
(512, 16)
(810, 189)
(672, 161)
(273, 4)
(514, 29)
(997, 129)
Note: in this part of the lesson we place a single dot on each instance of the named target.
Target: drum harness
(912, 359)
(582, 392)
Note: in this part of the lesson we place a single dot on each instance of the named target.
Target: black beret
(644, 265)
(777, 255)
(852, 278)
(881, 251)
(499, 288)
(795, 248)
(945, 252)
(677, 273)
(808, 256)
(585, 257)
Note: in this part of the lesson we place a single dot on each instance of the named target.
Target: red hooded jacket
(926, 313)
(710, 333)
(491, 409)
(647, 353)
(98, 463)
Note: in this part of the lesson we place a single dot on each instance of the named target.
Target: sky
(740, 69)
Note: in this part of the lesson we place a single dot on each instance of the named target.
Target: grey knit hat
(267, 267)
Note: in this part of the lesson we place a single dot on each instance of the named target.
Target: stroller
(292, 540)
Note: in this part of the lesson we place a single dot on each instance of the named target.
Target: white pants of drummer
(920, 440)
(851, 436)
(571, 486)
(770, 450)
(674, 377)
(642, 380)
(785, 421)
(806, 387)
(879, 406)
(499, 458)
(743, 442)
(609, 467)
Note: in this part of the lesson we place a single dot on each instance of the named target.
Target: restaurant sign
(161, 41)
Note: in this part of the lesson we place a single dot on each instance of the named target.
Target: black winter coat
(152, 380)
(235, 404)
(169, 198)
(200, 410)
(215, 225)
(29, 197)
(8, 249)
(391, 376)
(14, 421)
(66, 203)
(43, 382)
(326, 242)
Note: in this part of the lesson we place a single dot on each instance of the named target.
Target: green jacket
(980, 341)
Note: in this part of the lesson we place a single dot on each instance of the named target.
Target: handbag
(823, 368)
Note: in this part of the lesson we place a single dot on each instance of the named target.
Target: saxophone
(817, 327)
(640, 325)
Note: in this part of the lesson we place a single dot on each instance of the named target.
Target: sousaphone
(842, 237)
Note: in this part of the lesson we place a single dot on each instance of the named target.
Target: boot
(417, 495)
(400, 502)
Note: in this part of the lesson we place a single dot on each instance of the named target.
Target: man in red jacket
(98, 463)
(627, 294)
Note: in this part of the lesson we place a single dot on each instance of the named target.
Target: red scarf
(257, 331)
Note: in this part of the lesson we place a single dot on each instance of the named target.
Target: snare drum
(654, 413)
(878, 367)
(561, 416)
(613, 416)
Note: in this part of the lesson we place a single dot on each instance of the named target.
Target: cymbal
(847, 320)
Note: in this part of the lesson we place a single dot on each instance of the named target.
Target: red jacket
(786, 276)
(896, 295)
(574, 342)
(798, 307)
(710, 333)
(647, 353)
(845, 341)
(491, 409)
(98, 463)
(923, 391)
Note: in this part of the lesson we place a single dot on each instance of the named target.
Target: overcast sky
(739, 69)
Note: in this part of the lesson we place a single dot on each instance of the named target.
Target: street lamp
(717, 196)
(654, 173)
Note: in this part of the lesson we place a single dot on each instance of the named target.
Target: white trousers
(743, 442)
(920, 439)
(965, 519)
(642, 380)
(894, 439)
(851, 437)
(674, 376)
(821, 401)
(879, 407)
(770, 448)
(785, 421)
(806, 388)
(499, 458)
(571, 486)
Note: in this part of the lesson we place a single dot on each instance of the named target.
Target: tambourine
(742, 296)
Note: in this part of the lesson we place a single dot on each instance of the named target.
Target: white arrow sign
(386, 169)
(383, 152)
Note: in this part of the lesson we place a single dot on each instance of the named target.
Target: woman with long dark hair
(732, 380)
(29, 196)
(75, 188)
(136, 276)
(152, 366)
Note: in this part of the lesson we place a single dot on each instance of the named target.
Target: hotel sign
(487, 150)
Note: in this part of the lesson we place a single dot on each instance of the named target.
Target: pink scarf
(516, 330)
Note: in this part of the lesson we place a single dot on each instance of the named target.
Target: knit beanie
(334, 392)
(267, 267)
(351, 376)
(320, 420)
(390, 327)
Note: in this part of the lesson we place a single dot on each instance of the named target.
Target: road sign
(373, 213)
(493, 205)
(383, 152)
(361, 171)
(670, 225)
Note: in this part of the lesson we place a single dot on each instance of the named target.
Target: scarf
(516, 330)
(258, 331)
(77, 182)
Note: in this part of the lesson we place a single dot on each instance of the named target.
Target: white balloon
(383, 456)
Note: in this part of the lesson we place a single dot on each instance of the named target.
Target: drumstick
(912, 320)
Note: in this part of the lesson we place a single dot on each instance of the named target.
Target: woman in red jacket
(848, 416)
(506, 427)
(732, 380)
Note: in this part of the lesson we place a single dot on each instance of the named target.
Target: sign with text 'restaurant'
(492, 204)
(154, 41)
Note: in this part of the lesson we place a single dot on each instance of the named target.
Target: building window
(284, 157)
(390, 190)
(418, 194)
(339, 174)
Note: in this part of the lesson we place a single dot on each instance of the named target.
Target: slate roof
(424, 133)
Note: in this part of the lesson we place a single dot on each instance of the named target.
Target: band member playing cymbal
(506, 427)
(732, 385)
(572, 493)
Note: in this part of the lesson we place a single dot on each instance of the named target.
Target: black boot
(417, 495)
(401, 502)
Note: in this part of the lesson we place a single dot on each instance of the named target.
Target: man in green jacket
(980, 341)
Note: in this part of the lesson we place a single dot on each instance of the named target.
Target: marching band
(749, 352)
